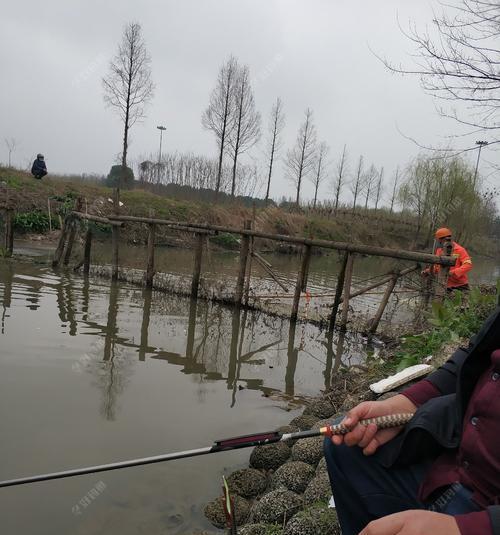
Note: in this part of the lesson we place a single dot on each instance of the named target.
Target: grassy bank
(30, 197)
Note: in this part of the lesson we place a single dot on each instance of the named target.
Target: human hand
(413, 522)
(370, 437)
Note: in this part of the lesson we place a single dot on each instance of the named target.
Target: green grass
(458, 317)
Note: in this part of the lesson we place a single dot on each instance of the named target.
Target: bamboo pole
(86, 252)
(150, 268)
(249, 272)
(306, 253)
(385, 300)
(347, 291)
(340, 246)
(265, 266)
(244, 249)
(338, 293)
(198, 256)
(98, 219)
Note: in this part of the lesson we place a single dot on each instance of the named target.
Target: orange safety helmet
(442, 233)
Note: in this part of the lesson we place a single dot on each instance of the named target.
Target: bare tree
(356, 185)
(300, 159)
(380, 185)
(394, 190)
(460, 62)
(12, 145)
(219, 116)
(246, 131)
(321, 169)
(128, 86)
(340, 177)
(276, 126)
(369, 178)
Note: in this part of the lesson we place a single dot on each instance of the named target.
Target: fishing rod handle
(382, 422)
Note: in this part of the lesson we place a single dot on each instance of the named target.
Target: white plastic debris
(331, 503)
(400, 378)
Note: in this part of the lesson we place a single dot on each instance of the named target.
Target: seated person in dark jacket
(440, 475)
(39, 169)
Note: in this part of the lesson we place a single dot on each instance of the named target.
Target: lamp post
(481, 144)
(161, 129)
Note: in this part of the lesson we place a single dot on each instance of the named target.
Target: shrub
(120, 176)
(35, 221)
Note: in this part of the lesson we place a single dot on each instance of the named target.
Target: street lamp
(481, 144)
(161, 129)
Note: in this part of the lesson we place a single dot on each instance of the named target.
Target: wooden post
(338, 293)
(441, 281)
(387, 294)
(305, 274)
(62, 241)
(9, 232)
(240, 282)
(86, 252)
(347, 291)
(150, 269)
(115, 237)
(306, 254)
(50, 214)
(72, 232)
(198, 255)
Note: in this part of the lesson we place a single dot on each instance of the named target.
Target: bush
(34, 221)
(120, 176)
(459, 316)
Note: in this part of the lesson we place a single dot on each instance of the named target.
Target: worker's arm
(465, 264)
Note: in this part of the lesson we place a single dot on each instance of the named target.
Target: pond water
(93, 372)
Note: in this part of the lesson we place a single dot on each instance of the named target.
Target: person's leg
(364, 490)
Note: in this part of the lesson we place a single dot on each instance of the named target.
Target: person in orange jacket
(457, 278)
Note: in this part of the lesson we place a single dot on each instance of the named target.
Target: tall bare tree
(300, 158)
(219, 115)
(246, 131)
(276, 126)
(321, 169)
(459, 62)
(380, 186)
(356, 185)
(394, 190)
(369, 179)
(12, 145)
(340, 177)
(128, 86)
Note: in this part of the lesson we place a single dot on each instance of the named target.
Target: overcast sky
(311, 53)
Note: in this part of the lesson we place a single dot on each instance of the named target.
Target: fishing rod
(244, 441)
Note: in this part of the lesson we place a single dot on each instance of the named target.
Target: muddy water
(92, 372)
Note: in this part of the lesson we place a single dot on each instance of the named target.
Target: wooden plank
(338, 293)
(340, 246)
(347, 291)
(62, 241)
(150, 268)
(244, 249)
(383, 304)
(306, 254)
(198, 256)
(72, 233)
(9, 232)
(86, 252)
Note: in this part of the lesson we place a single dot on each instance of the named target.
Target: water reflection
(211, 342)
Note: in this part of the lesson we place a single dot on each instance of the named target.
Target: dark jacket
(437, 424)
(39, 169)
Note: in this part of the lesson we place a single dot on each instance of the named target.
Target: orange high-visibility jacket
(463, 264)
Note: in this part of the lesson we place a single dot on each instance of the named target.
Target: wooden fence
(247, 235)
